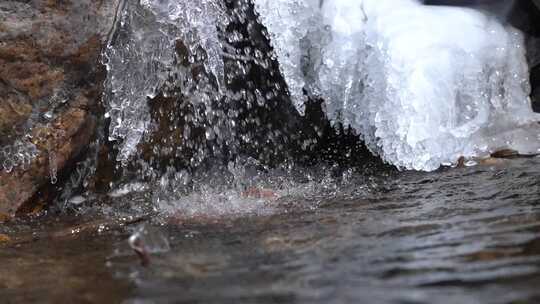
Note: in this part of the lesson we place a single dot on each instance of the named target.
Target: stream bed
(462, 235)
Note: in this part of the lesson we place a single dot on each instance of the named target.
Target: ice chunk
(289, 22)
(441, 83)
(424, 85)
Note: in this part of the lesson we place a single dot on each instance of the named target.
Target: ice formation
(289, 22)
(423, 85)
(21, 153)
(142, 60)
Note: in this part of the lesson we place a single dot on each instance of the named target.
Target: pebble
(4, 238)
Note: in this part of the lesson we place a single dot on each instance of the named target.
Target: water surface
(464, 235)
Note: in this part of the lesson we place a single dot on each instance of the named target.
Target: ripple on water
(469, 235)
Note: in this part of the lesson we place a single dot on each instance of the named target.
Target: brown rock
(50, 85)
(4, 238)
(66, 139)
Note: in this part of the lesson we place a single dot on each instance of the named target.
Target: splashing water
(53, 167)
(209, 57)
(422, 85)
(192, 82)
(20, 153)
(142, 60)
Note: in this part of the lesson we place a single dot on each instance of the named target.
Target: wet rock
(50, 85)
(66, 138)
(525, 16)
(535, 82)
(4, 238)
(146, 241)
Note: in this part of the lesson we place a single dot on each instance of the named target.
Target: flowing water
(461, 235)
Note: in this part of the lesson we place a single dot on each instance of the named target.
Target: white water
(423, 85)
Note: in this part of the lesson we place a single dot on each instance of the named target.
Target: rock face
(525, 16)
(50, 85)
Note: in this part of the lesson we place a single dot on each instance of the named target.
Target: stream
(462, 235)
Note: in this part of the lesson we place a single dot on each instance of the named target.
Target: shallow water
(465, 235)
